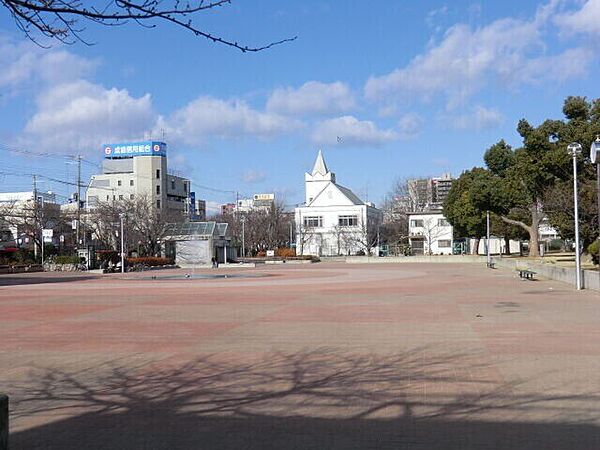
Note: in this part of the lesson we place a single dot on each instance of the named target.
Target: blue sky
(410, 88)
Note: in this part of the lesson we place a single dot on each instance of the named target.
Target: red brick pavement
(456, 344)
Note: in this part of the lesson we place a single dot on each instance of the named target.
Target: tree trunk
(533, 229)
(506, 245)
(475, 248)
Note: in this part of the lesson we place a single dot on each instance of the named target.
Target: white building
(138, 169)
(429, 234)
(24, 214)
(258, 202)
(333, 220)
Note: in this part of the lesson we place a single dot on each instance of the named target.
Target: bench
(491, 265)
(526, 274)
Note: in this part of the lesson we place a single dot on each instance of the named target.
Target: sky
(387, 90)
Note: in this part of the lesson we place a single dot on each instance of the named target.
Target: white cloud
(80, 116)
(410, 125)
(254, 176)
(349, 131)
(584, 20)
(25, 63)
(212, 117)
(312, 97)
(479, 118)
(508, 51)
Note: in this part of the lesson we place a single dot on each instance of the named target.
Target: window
(158, 189)
(444, 243)
(130, 196)
(313, 221)
(118, 182)
(348, 221)
(130, 182)
(416, 223)
(173, 184)
(158, 204)
(107, 197)
(185, 187)
(443, 223)
(114, 197)
(158, 174)
(120, 197)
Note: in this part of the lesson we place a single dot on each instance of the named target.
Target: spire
(320, 166)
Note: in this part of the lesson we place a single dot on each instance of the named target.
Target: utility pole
(78, 226)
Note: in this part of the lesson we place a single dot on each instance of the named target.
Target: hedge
(64, 259)
(150, 261)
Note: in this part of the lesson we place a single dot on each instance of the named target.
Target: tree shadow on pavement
(21, 279)
(320, 399)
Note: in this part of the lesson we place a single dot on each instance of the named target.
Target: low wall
(3, 422)
(590, 279)
(51, 267)
(461, 259)
(21, 268)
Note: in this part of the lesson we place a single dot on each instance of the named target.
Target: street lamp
(595, 157)
(574, 149)
(487, 240)
(243, 220)
(122, 216)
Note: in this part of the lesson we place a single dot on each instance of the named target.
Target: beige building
(140, 168)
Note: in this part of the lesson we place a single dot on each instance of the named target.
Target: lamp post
(122, 216)
(595, 157)
(487, 239)
(243, 220)
(574, 149)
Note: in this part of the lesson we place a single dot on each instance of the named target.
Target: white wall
(431, 232)
(323, 241)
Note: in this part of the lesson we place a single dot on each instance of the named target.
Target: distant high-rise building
(441, 187)
(428, 194)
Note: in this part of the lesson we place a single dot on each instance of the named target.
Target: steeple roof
(320, 166)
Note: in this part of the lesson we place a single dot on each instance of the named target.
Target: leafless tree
(340, 237)
(64, 20)
(145, 225)
(431, 231)
(30, 218)
(264, 229)
(304, 235)
(363, 237)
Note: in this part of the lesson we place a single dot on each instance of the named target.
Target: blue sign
(131, 149)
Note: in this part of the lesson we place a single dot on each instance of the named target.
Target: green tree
(521, 181)
(459, 209)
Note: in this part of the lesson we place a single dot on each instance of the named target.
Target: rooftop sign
(131, 149)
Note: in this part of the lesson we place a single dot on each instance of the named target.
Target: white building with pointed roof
(333, 220)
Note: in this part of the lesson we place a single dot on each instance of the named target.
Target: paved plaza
(322, 356)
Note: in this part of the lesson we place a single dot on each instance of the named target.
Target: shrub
(555, 245)
(111, 256)
(150, 261)
(593, 250)
(65, 259)
(285, 252)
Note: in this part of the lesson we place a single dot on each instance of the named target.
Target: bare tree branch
(58, 19)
